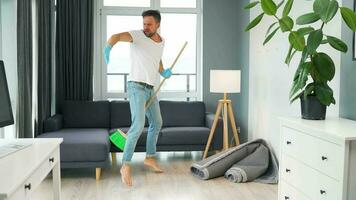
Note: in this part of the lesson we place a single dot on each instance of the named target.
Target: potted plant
(315, 69)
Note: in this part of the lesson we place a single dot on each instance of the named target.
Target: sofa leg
(113, 157)
(97, 173)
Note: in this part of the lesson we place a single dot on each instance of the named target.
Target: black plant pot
(312, 108)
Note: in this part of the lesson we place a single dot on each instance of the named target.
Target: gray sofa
(85, 127)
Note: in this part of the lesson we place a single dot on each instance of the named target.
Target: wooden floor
(176, 183)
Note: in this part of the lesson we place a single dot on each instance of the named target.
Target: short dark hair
(154, 13)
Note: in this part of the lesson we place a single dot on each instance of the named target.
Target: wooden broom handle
(160, 85)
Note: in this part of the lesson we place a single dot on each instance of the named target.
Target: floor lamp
(226, 82)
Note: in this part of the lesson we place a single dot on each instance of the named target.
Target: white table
(22, 171)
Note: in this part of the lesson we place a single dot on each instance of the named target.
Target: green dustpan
(118, 138)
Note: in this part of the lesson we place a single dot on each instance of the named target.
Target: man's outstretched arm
(119, 37)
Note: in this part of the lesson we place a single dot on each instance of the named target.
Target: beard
(149, 34)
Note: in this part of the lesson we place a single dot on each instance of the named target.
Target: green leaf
(287, 60)
(314, 40)
(290, 55)
(295, 88)
(324, 67)
(251, 5)
(304, 56)
(269, 37)
(330, 11)
(326, 9)
(324, 94)
(254, 22)
(324, 41)
(309, 89)
(297, 72)
(269, 7)
(303, 76)
(296, 97)
(349, 17)
(337, 44)
(287, 8)
(286, 24)
(307, 18)
(305, 30)
(270, 28)
(296, 40)
(320, 6)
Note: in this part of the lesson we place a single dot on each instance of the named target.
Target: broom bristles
(118, 138)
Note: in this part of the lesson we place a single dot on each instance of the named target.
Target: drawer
(322, 155)
(26, 189)
(309, 181)
(287, 192)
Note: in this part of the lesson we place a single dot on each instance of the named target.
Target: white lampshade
(225, 81)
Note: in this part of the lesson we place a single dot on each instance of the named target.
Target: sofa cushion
(184, 135)
(82, 145)
(120, 115)
(86, 114)
(181, 113)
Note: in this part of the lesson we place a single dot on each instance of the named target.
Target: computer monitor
(6, 117)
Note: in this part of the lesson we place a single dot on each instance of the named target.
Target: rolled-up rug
(249, 168)
(218, 164)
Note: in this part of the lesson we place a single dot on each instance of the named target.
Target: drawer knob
(28, 186)
(51, 159)
(286, 197)
(324, 158)
(287, 170)
(322, 192)
(289, 142)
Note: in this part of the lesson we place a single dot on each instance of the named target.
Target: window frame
(100, 70)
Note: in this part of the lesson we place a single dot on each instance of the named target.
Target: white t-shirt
(145, 57)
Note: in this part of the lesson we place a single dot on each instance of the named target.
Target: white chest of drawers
(22, 171)
(317, 159)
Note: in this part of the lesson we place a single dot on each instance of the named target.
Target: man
(146, 50)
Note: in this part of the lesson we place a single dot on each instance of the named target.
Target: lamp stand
(224, 104)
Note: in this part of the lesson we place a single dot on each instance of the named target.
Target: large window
(181, 21)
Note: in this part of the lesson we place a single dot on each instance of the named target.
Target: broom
(118, 138)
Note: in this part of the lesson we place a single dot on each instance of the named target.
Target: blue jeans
(138, 96)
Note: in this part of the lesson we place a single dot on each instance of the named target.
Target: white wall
(0, 34)
(9, 52)
(1, 129)
(270, 79)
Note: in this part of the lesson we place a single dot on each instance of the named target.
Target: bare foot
(151, 162)
(125, 172)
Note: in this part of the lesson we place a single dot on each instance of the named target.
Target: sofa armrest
(53, 123)
(217, 141)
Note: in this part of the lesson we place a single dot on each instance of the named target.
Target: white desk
(22, 171)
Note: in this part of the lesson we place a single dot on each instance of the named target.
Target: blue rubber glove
(107, 50)
(166, 73)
